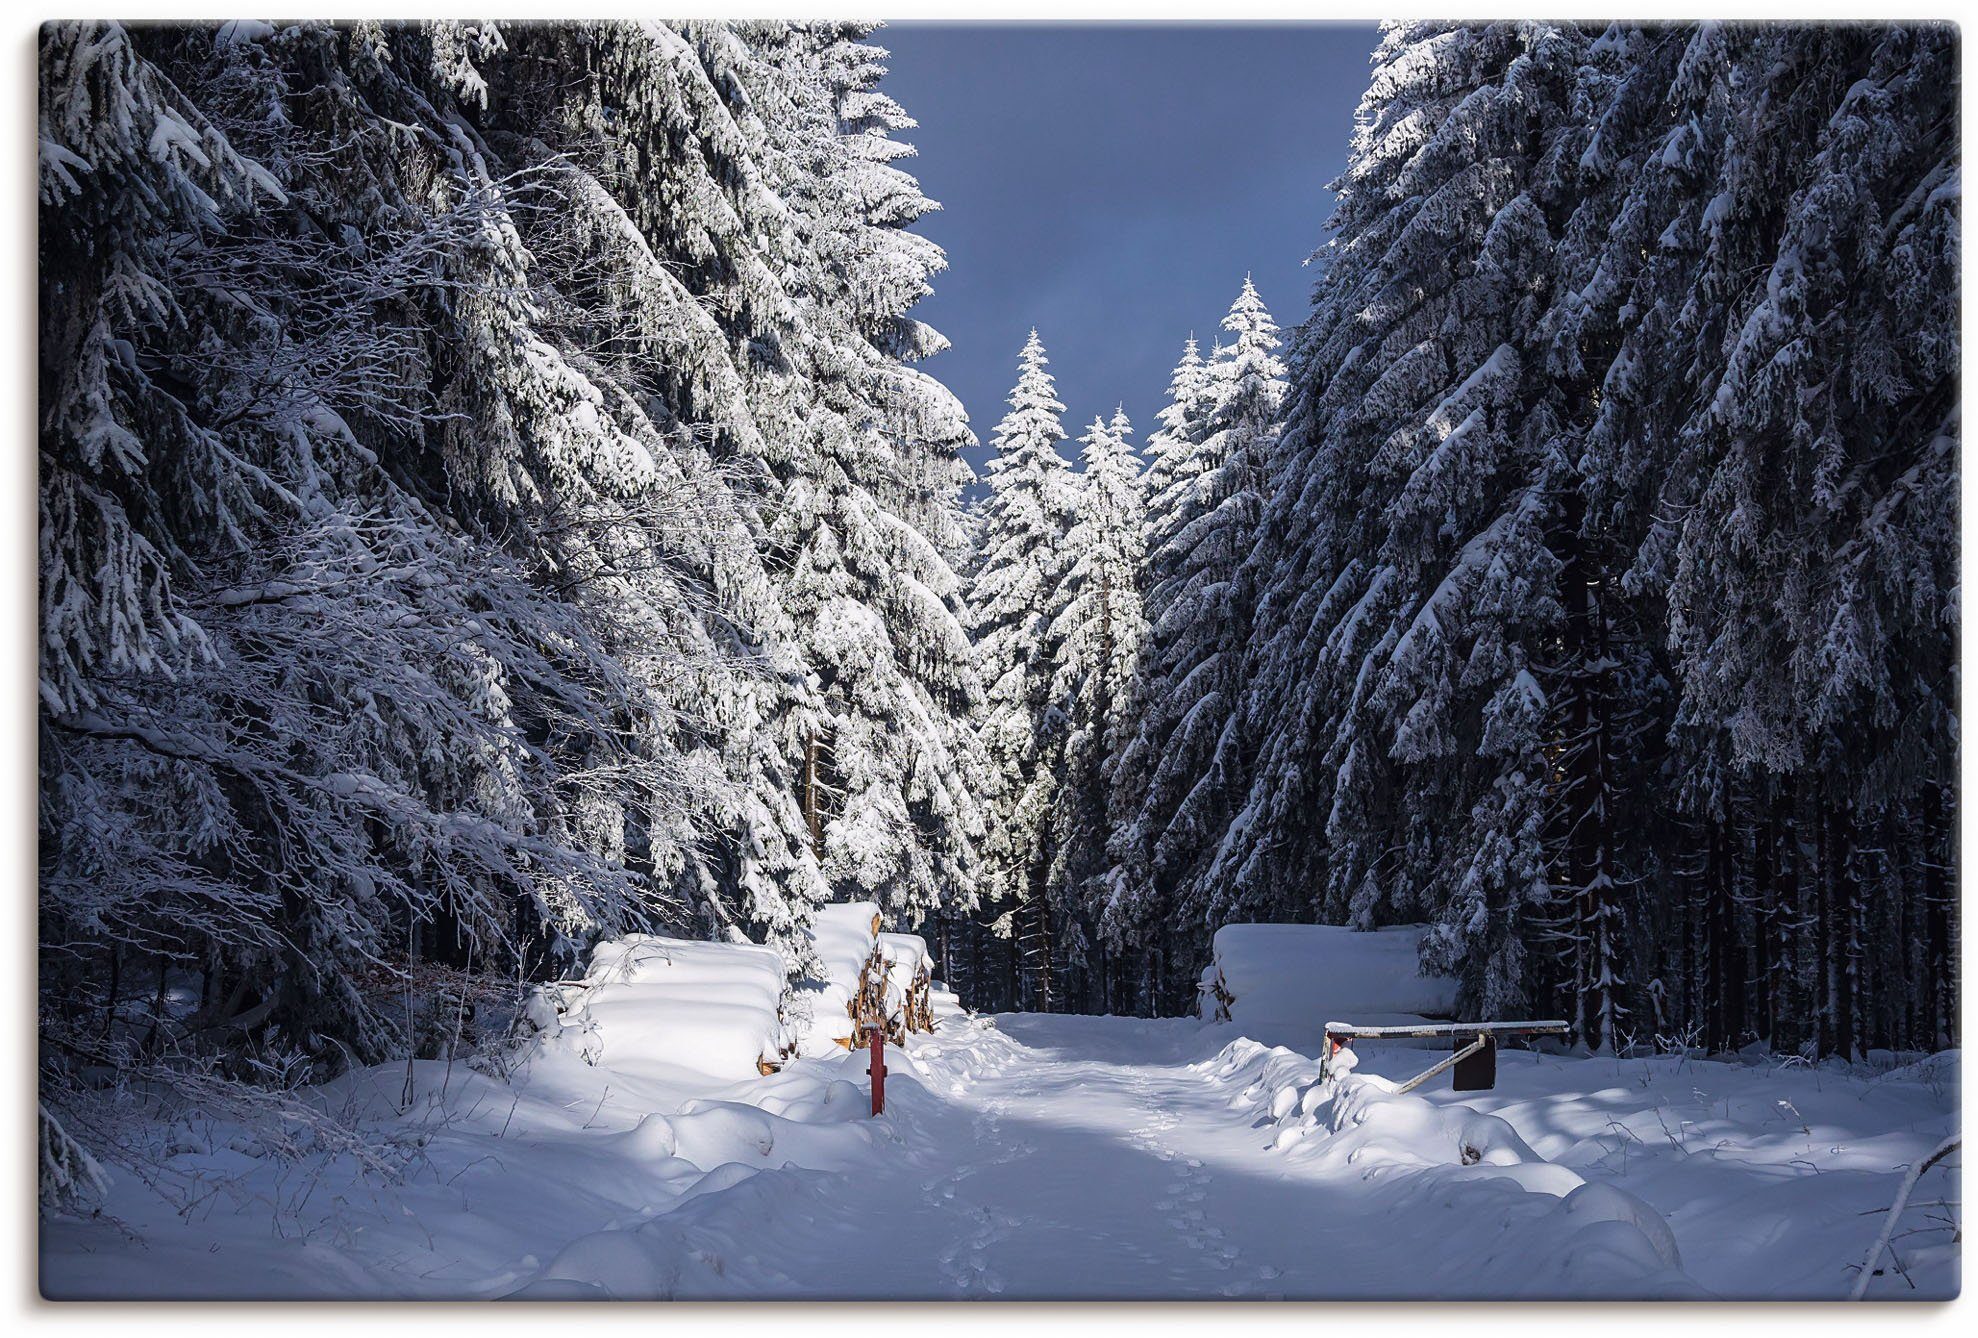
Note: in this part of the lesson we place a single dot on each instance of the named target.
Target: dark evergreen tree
(482, 471)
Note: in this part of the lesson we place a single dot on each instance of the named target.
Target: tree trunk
(1940, 989)
(811, 816)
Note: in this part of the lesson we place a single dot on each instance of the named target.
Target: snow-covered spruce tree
(1175, 460)
(1690, 188)
(1134, 922)
(1183, 757)
(1017, 594)
(1570, 536)
(1811, 603)
(657, 257)
(1469, 479)
(868, 515)
(1656, 103)
(1392, 679)
(382, 723)
(412, 454)
(1097, 636)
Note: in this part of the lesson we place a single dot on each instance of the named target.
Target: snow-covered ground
(1053, 1157)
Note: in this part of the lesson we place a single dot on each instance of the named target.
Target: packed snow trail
(1056, 1157)
(1079, 1165)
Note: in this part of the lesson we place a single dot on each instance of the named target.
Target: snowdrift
(1578, 1238)
(1282, 983)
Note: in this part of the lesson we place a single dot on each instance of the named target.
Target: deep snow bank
(1593, 1240)
(635, 1092)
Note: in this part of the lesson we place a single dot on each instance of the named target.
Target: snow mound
(718, 1244)
(656, 1007)
(1941, 1067)
(1597, 1240)
(1282, 983)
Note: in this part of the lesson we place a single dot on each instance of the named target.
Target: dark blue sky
(1111, 185)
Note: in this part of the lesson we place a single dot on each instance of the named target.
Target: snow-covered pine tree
(1811, 599)
(870, 522)
(379, 686)
(1414, 496)
(1097, 636)
(1130, 915)
(1185, 754)
(1017, 594)
(1623, 258)
(1174, 459)
(667, 254)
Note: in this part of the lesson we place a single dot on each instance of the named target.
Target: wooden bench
(1475, 1057)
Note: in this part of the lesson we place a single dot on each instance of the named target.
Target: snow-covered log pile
(843, 938)
(910, 977)
(666, 1007)
(866, 971)
(1282, 983)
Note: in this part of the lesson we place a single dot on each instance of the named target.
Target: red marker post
(876, 1038)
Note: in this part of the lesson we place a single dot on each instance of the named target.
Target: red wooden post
(876, 1038)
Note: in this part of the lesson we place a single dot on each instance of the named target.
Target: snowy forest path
(1085, 1173)
(1064, 1157)
(1055, 1157)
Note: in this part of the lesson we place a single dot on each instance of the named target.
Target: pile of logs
(1218, 990)
(873, 1004)
(881, 983)
(918, 1012)
(867, 1006)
